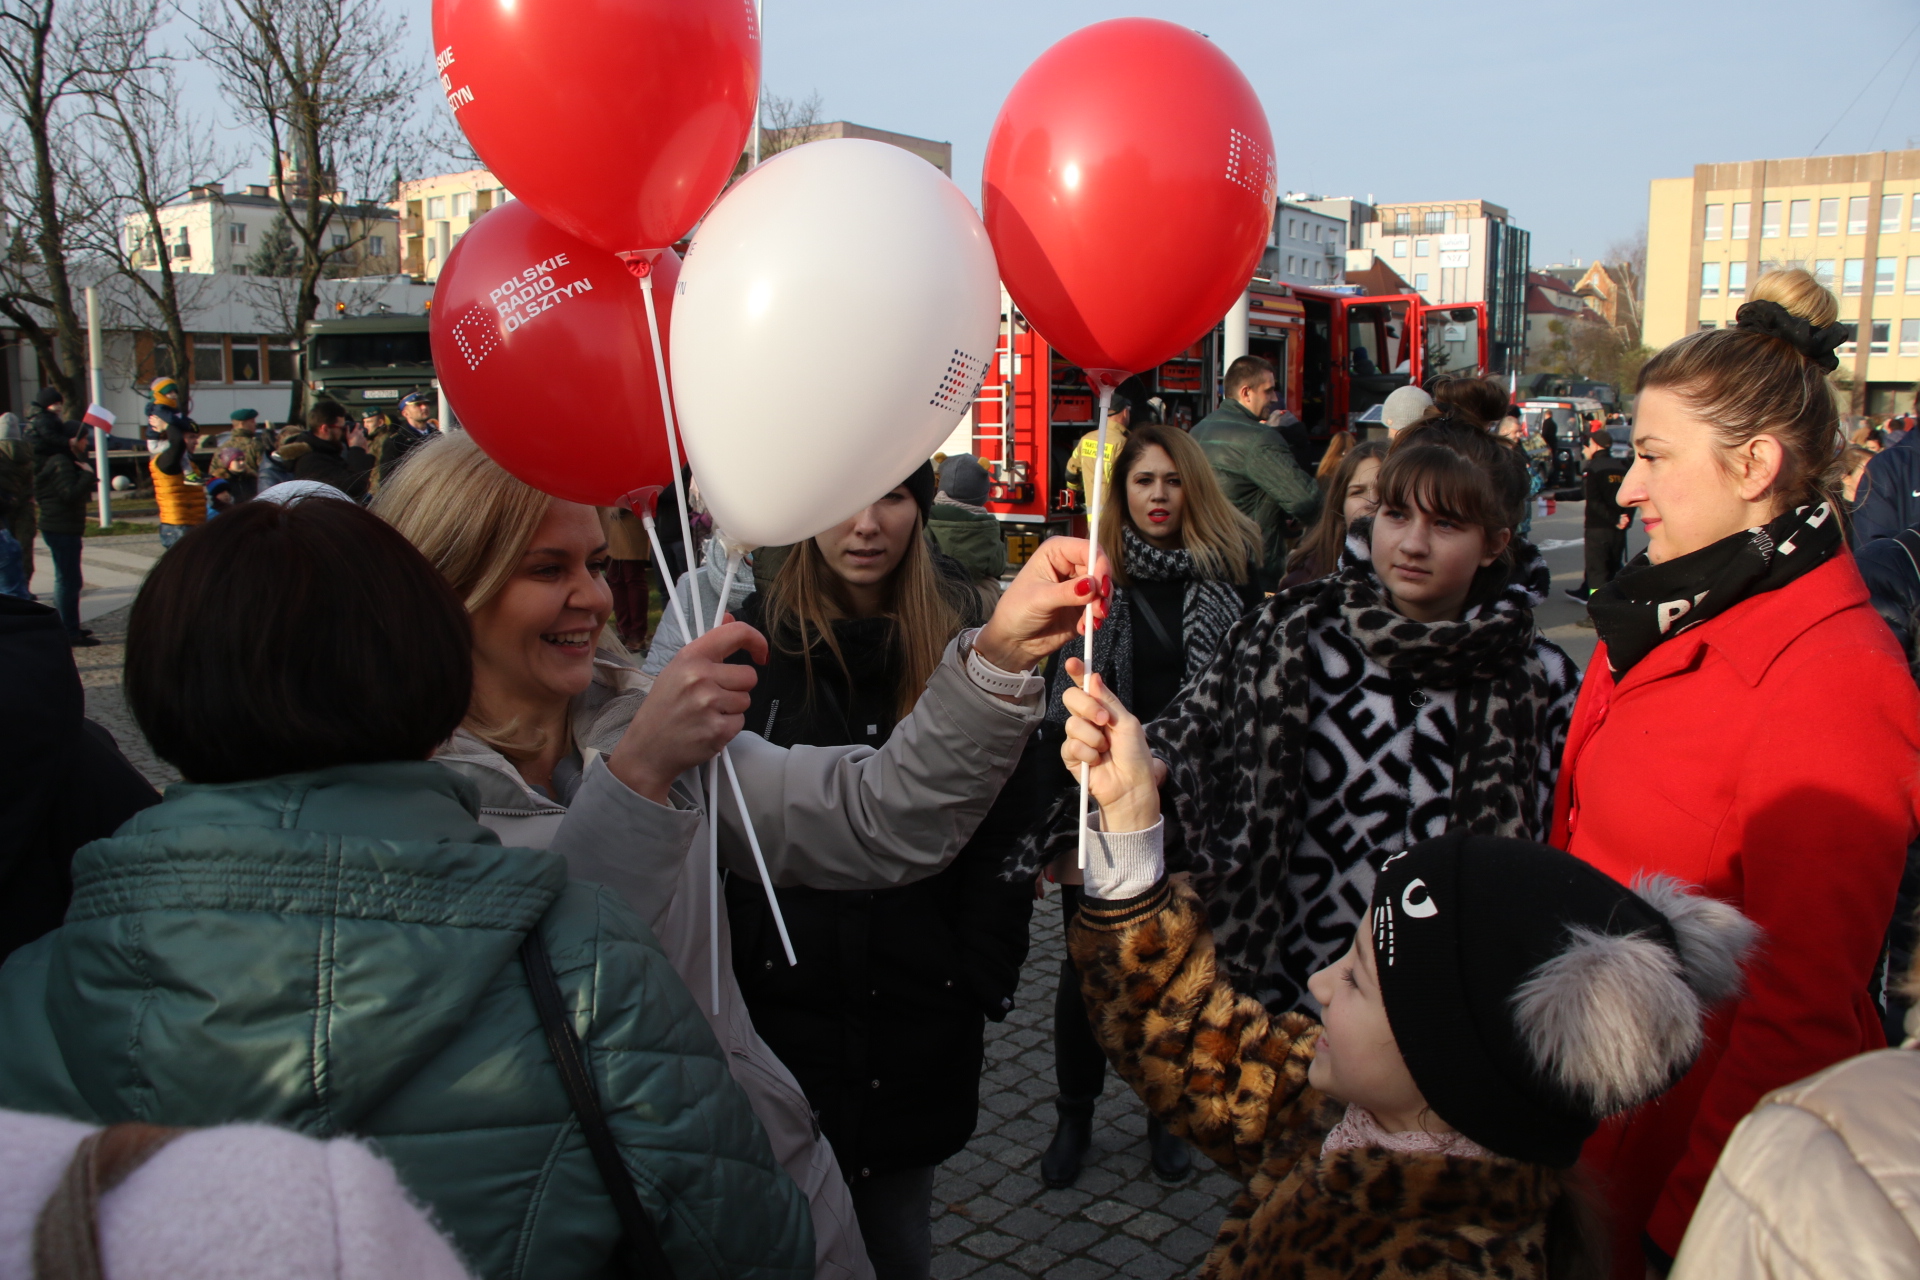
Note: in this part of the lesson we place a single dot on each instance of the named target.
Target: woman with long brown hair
(884, 1021)
(1703, 746)
(1353, 493)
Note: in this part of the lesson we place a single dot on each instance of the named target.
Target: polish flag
(100, 417)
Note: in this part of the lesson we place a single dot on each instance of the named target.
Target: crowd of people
(1460, 960)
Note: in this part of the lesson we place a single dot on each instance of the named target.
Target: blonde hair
(1799, 293)
(807, 597)
(1223, 543)
(473, 522)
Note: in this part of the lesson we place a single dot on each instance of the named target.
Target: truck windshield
(372, 350)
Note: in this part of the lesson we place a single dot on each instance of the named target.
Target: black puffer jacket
(60, 484)
(347, 469)
(883, 1021)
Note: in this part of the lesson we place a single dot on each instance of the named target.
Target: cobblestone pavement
(106, 704)
(992, 1216)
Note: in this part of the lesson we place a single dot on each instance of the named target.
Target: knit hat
(921, 485)
(166, 391)
(1533, 996)
(241, 415)
(963, 479)
(1404, 407)
(46, 396)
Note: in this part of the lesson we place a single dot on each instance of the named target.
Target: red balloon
(1129, 192)
(540, 342)
(617, 120)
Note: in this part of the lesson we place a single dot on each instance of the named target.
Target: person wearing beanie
(1403, 408)
(63, 481)
(1501, 1001)
(143, 1202)
(961, 525)
(165, 413)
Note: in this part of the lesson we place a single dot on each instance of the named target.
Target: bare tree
(787, 122)
(322, 84)
(1626, 262)
(147, 156)
(51, 56)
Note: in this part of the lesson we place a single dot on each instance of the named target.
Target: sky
(1560, 111)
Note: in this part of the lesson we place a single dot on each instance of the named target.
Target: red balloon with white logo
(1128, 192)
(619, 121)
(540, 344)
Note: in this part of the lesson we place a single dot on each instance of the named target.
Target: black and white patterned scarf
(1208, 609)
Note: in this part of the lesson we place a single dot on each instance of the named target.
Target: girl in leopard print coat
(1502, 999)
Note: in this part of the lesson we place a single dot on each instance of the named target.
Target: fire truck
(1336, 354)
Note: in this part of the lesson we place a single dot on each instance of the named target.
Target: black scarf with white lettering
(1648, 603)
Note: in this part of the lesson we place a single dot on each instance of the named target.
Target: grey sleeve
(856, 818)
(614, 836)
(668, 638)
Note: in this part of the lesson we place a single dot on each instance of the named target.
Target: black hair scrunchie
(1816, 345)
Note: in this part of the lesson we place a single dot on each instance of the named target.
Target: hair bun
(1816, 344)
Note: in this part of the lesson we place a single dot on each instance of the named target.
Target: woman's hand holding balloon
(1044, 606)
(1112, 743)
(697, 705)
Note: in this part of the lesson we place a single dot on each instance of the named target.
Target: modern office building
(215, 231)
(1852, 220)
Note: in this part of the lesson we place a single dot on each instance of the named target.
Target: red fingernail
(1083, 587)
(1106, 584)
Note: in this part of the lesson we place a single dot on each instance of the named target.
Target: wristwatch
(992, 679)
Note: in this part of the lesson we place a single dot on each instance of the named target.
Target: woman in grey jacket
(573, 752)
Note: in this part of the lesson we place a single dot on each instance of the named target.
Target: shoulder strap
(1146, 613)
(66, 1236)
(640, 1252)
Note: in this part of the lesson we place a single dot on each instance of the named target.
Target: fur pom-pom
(1714, 937)
(1612, 1019)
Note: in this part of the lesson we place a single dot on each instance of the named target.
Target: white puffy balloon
(834, 319)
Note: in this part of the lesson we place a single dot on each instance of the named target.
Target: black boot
(1172, 1160)
(1071, 1139)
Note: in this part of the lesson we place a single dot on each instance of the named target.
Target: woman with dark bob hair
(315, 931)
(1703, 746)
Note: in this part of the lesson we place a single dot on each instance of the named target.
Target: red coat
(1770, 755)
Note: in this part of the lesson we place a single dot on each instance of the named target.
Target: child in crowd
(1503, 998)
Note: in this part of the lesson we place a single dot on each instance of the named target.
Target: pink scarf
(1358, 1128)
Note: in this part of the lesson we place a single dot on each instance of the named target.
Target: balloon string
(713, 879)
(1095, 494)
(673, 447)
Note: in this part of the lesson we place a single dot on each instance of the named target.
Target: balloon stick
(713, 878)
(726, 755)
(673, 438)
(734, 557)
(660, 558)
(1094, 495)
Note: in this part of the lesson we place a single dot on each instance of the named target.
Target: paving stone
(1186, 1204)
(999, 1271)
(1184, 1244)
(985, 1209)
(1143, 1191)
(949, 1227)
(1152, 1266)
(1036, 1260)
(1149, 1225)
(1110, 1213)
(951, 1264)
(990, 1244)
(1028, 1223)
(1119, 1250)
(1080, 1269)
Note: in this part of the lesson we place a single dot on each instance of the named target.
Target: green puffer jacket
(970, 536)
(337, 952)
(1259, 473)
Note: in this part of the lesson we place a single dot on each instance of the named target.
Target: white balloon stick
(1093, 571)
(713, 878)
(673, 596)
(673, 442)
(759, 861)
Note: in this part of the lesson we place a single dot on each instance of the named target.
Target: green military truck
(369, 362)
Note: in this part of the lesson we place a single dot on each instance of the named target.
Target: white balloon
(834, 319)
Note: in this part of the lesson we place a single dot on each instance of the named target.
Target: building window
(1797, 217)
(1890, 214)
(1708, 324)
(1830, 216)
(182, 247)
(1399, 248)
(1770, 220)
(1913, 219)
(1402, 224)
(1850, 274)
(1910, 337)
(1913, 275)
(339, 239)
(1857, 216)
(246, 359)
(377, 246)
(1823, 272)
(433, 249)
(1741, 212)
(1709, 279)
(1877, 344)
(436, 206)
(1716, 221)
(462, 203)
(1736, 279)
(1420, 282)
(236, 233)
(280, 361)
(1436, 221)
(1883, 272)
(1423, 248)
(209, 357)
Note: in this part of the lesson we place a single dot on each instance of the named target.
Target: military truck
(368, 362)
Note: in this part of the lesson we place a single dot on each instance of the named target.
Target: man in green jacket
(1254, 464)
(960, 523)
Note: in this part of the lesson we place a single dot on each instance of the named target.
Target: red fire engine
(1337, 355)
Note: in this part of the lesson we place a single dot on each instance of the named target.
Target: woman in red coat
(1747, 725)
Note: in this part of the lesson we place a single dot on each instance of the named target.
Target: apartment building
(215, 231)
(434, 212)
(1852, 220)
(1306, 246)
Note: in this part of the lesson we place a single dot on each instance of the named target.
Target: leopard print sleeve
(1211, 1064)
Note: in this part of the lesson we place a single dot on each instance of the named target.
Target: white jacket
(1821, 1182)
(844, 817)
